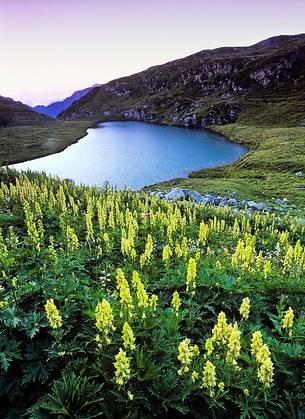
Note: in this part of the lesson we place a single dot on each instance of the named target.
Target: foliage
(98, 320)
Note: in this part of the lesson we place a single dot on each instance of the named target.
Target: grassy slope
(26, 134)
(26, 142)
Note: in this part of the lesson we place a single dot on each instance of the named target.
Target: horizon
(52, 49)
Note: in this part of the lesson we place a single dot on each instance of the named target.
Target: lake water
(135, 154)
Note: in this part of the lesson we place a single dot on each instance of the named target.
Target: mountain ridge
(209, 87)
(55, 108)
(16, 113)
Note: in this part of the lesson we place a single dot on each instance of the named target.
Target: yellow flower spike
(221, 329)
(263, 353)
(209, 346)
(234, 344)
(191, 275)
(267, 269)
(265, 372)
(153, 301)
(167, 253)
(176, 302)
(128, 337)
(288, 320)
(186, 353)
(209, 375)
(53, 314)
(104, 319)
(256, 342)
(122, 367)
(244, 309)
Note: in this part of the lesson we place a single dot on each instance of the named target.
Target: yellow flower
(256, 342)
(128, 337)
(53, 314)
(209, 375)
(221, 386)
(209, 346)
(233, 344)
(263, 353)
(191, 274)
(124, 292)
(265, 372)
(167, 253)
(186, 352)
(246, 392)
(130, 395)
(221, 329)
(153, 301)
(245, 308)
(104, 319)
(176, 302)
(122, 367)
(142, 296)
(194, 376)
(3, 304)
(288, 320)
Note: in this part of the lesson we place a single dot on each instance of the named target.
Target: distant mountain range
(263, 83)
(56, 108)
(14, 113)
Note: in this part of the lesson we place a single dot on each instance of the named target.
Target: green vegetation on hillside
(26, 134)
(267, 171)
(117, 304)
(22, 143)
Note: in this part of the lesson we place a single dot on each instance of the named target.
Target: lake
(136, 154)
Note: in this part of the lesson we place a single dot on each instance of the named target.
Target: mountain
(264, 83)
(56, 108)
(14, 113)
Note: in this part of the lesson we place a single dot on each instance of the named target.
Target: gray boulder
(175, 194)
(193, 196)
(281, 202)
(299, 174)
(258, 206)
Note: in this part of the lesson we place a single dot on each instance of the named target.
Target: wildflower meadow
(116, 304)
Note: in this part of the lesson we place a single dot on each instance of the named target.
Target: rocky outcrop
(180, 194)
(210, 87)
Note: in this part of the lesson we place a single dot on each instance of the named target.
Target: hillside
(264, 83)
(26, 134)
(14, 113)
(56, 108)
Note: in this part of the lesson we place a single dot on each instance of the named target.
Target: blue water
(135, 154)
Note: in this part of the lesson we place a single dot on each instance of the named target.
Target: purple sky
(51, 48)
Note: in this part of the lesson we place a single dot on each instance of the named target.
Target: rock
(281, 202)
(175, 194)
(193, 196)
(299, 174)
(258, 206)
(232, 202)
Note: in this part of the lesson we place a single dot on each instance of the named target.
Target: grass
(26, 142)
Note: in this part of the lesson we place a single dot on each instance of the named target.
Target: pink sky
(51, 48)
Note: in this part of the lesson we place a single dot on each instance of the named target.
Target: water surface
(135, 154)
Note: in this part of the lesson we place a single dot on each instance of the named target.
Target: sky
(50, 48)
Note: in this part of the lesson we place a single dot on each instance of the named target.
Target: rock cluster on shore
(219, 200)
